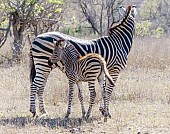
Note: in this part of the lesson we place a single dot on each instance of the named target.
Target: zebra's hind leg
(70, 97)
(92, 97)
(33, 99)
(102, 83)
(105, 112)
(43, 112)
(40, 82)
(80, 96)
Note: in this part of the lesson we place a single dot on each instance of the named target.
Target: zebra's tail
(108, 75)
(32, 66)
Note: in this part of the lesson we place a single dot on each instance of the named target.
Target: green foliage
(150, 9)
(58, 10)
(155, 18)
(2, 6)
(57, 2)
(158, 32)
(68, 30)
(77, 31)
(4, 23)
(38, 9)
(54, 8)
(143, 28)
(31, 1)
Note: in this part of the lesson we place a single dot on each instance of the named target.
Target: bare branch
(10, 3)
(83, 6)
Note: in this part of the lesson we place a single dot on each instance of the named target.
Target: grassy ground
(140, 102)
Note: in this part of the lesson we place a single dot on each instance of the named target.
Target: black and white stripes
(114, 48)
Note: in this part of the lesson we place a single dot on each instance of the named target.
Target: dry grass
(140, 102)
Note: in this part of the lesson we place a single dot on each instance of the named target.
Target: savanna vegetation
(141, 100)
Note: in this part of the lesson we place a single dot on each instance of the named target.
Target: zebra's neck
(123, 33)
(69, 56)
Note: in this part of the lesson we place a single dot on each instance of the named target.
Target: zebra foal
(88, 68)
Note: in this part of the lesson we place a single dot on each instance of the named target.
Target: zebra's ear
(122, 10)
(134, 10)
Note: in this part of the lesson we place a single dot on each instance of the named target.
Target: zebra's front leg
(92, 97)
(70, 97)
(80, 96)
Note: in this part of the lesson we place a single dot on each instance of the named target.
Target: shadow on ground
(21, 122)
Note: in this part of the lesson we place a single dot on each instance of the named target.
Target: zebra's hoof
(83, 114)
(87, 117)
(109, 115)
(66, 116)
(105, 119)
(43, 116)
(33, 113)
(105, 113)
(102, 110)
(84, 117)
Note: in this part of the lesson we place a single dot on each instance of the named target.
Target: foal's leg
(102, 83)
(80, 96)
(92, 97)
(70, 98)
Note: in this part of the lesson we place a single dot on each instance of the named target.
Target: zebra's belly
(88, 77)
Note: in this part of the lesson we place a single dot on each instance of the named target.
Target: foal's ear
(54, 41)
(58, 42)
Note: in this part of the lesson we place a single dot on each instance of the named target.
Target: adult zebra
(114, 48)
(88, 68)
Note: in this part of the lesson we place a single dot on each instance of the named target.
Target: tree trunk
(18, 29)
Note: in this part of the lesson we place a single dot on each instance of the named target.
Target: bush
(158, 32)
(145, 28)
